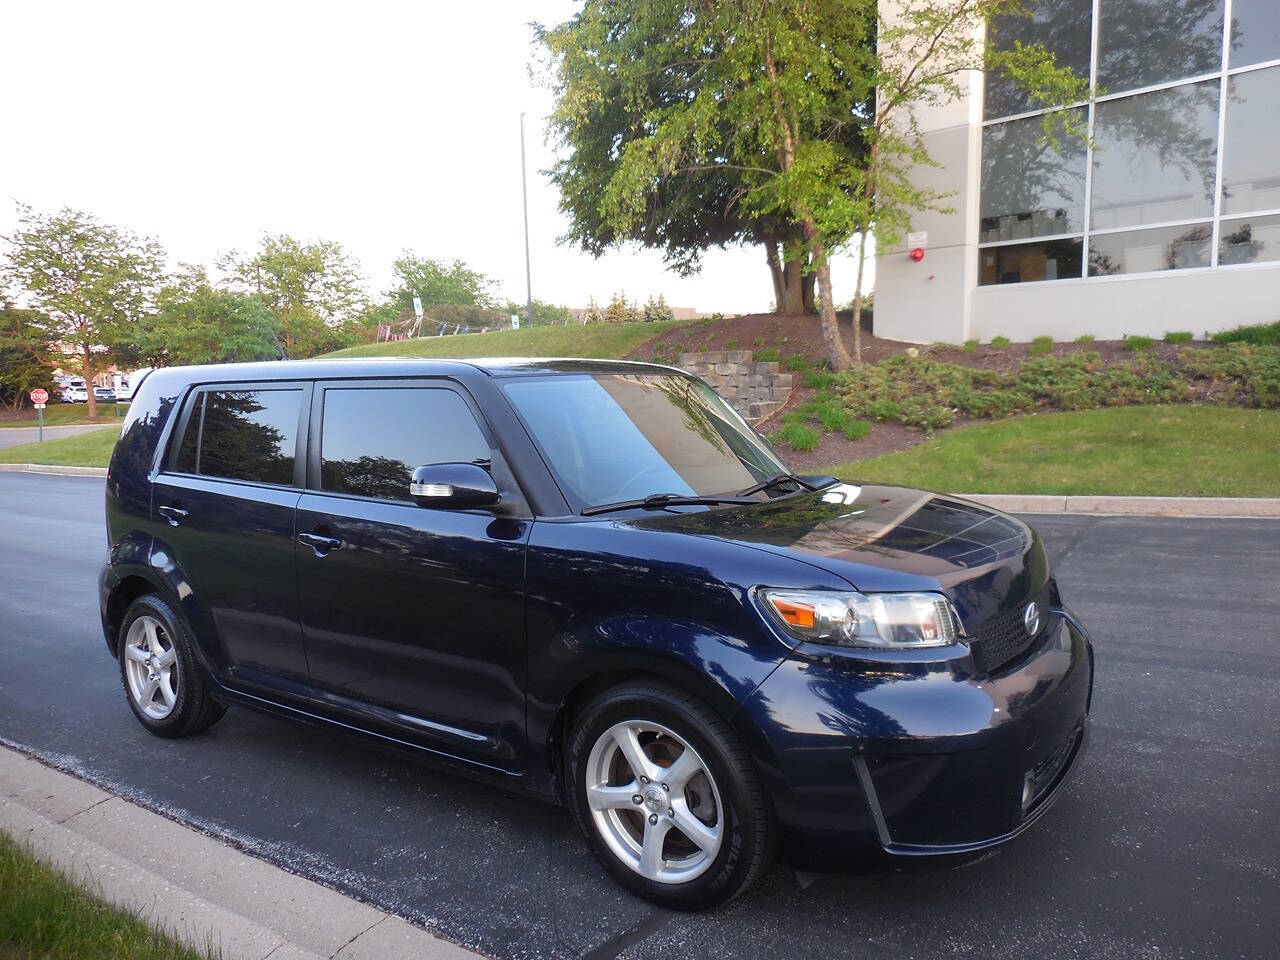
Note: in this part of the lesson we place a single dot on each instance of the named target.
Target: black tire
(193, 709)
(747, 848)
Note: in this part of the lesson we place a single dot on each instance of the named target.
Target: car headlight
(884, 620)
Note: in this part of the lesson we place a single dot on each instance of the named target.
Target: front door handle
(320, 543)
(175, 515)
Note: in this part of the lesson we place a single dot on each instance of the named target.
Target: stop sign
(39, 395)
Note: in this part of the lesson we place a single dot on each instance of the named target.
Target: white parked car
(74, 394)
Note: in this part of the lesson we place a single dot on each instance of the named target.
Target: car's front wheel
(667, 796)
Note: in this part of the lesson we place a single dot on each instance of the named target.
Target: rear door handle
(320, 543)
(175, 515)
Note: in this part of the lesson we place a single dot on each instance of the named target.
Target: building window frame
(1222, 76)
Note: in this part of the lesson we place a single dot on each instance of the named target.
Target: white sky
(381, 125)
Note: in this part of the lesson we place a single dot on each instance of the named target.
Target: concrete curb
(50, 468)
(1226, 507)
(197, 889)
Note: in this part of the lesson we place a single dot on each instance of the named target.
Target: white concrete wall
(1111, 307)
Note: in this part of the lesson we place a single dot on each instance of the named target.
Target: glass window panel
(1253, 240)
(1251, 151)
(372, 440)
(250, 435)
(1156, 157)
(1028, 262)
(185, 462)
(1146, 251)
(1142, 43)
(1030, 187)
(1063, 27)
(1255, 32)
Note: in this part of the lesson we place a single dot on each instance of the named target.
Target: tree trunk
(789, 283)
(807, 301)
(857, 297)
(839, 356)
(793, 302)
(90, 400)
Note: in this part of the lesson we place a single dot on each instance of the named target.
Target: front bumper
(865, 757)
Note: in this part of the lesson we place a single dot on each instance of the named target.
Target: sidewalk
(194, 887)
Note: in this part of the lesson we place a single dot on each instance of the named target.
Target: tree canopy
(313, 289)
(196, 322)
(91, 281)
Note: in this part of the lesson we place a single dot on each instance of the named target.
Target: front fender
(719, 669)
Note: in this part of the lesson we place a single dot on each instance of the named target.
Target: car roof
(361, 367)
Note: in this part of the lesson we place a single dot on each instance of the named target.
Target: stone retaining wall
(756, 389)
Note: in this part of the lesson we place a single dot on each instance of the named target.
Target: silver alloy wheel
(151, 667)
(654, 802)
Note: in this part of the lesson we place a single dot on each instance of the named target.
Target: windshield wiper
(773, 481)
(656, 501)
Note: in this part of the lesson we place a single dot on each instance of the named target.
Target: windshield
(611, 437)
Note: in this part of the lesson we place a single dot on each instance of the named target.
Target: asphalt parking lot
(1167, 844)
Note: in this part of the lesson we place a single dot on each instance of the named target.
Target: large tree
(195, 322)
(92, 281)
(790, 97)
(313, 289)
(596, 60)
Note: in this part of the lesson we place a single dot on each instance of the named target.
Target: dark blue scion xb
(593, 582)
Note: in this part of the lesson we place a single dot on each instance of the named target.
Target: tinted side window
(189, 449)
(250, 435)
(373, 439)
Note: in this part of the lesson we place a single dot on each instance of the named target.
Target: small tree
(195, 322)
(440, 282)
(620, 311)
(656, 311)
(93, 282)
(313, 289)
(26, 355)
(593, 314)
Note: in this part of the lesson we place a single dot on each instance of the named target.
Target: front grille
(1004, 638)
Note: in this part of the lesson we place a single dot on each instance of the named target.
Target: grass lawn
(1198, 451)
(601, 341)
(91, 449)
(59, 414)
(43, 915)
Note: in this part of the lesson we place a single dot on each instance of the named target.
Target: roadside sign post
(39, 397)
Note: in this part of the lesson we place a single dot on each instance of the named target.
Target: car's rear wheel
(667, 796)
(165, 686)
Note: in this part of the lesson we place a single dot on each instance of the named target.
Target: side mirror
(453, 486)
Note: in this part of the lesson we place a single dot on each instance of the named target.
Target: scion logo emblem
(1031, 619)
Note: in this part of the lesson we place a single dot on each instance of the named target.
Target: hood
(889, 538)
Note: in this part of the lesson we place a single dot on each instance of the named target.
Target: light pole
(528, 274)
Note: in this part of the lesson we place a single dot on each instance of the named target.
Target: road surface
(1165, 845)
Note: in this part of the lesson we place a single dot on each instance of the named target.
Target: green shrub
(795, 363)
(1085, 338)
(1238, 373)
(817, 379)
(1180, 336)
(1137, 343)
(769, 355)
(758, 342)
(798, 437)
(1259, 334)
(970, 346)
(1000, 342)
(730, 344)
(1042, 345)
